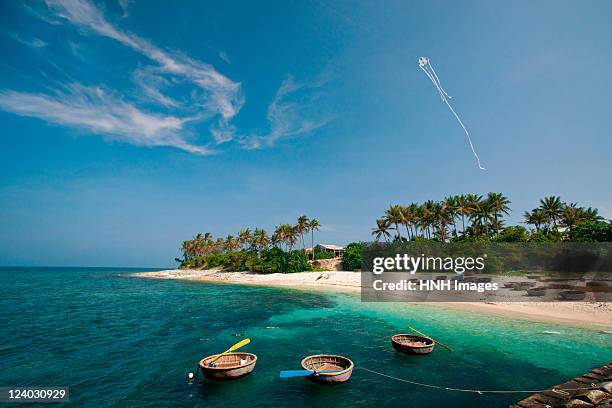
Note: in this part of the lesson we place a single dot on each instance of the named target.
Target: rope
(438, 387)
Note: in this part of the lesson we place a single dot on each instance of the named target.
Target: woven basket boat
(411, 344)
(321, 362)
(229, 366)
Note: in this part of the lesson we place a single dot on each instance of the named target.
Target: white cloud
(287, 114)
(99, 111)
(124, 4)
(151, 84)
(222, 95)
(32, 43)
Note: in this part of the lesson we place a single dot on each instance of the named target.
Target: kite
(426, 66)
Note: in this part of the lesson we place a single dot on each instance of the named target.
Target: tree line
(476, 217)
(285, 236)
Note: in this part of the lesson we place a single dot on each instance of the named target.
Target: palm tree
(302, 227)
(232, 243)
(313, 226)
(452, 207)
(260, 239)
(382, 229)
(245, 237)
(394, 216)
(535, 217)
(499, 205)
(571, 216)
(552, 207)
(463, 207)
(591, 214)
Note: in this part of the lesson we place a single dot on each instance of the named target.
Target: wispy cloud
(156, 115)
(290, 114)
(124, 4)
(222, 95)
(99, 111)
(32, 43)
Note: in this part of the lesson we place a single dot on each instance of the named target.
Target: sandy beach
(582, 314)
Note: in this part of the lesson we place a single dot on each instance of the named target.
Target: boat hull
(229, 367)
(327, 362)
(406, 343)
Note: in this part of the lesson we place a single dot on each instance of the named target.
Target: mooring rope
(557, 390)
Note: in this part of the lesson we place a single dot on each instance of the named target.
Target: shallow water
(123, 341)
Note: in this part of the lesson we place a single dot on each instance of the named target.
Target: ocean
(122, 341)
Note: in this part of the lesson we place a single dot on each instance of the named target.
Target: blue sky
(128, 126)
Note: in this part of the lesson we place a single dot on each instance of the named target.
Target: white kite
(426, 66)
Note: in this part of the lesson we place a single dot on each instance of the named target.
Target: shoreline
(592, 315)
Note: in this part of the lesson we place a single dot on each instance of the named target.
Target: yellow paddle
(229, 350)
(434, 340)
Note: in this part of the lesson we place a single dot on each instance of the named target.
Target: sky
(128, 126)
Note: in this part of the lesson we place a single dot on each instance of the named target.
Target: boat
(510, 284)
(411, 344)
(229, 366)
(320, 362)
(572, 295)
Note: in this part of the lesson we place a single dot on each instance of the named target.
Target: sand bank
(582, 314)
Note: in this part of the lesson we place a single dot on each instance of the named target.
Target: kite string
(466, 133)
(433, 81)
(557, 390)
(438, 79)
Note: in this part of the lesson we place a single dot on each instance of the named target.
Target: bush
(353, 257)
(512, 234)
(323, 255)
(592, 232)
(540, 236)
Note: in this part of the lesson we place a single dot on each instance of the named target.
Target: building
(337, 250)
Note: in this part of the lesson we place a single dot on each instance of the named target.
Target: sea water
(117, 340)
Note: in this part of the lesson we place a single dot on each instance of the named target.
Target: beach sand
(581, 314)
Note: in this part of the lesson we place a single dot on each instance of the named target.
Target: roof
(332, 247)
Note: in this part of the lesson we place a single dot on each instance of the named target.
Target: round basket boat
(411, 344)
(321, 362)
(229, 366)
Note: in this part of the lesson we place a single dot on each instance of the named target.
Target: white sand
(583, 314)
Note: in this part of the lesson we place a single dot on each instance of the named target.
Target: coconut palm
(499, 205)
(302, 227)
(394, 216)
(245, 237)
(571, 216)
(536, 217)
(260, 239)
(313, 226)
(463, 207)
(552, 207)
(382, 229)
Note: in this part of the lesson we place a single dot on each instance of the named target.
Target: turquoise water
(123, 341)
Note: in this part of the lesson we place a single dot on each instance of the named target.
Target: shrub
(512, 234)
(353, 257)
(592, 232)
(318, 254)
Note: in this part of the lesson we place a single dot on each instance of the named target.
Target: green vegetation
(254, 251)
(353, 257)
(474, 218)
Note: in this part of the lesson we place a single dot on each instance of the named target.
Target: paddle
(434, 340)
(304, 373)
(229, 350)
